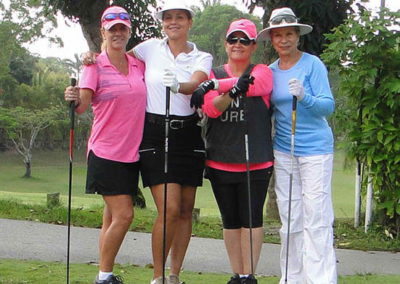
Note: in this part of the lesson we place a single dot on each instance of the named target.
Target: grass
(55, 273)
(27, 272)
(50, 171)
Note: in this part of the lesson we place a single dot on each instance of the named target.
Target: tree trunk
(91, 32)
(91, 25)
(27, 170)
(272, 207)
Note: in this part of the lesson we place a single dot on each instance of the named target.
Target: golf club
(168, 93)
(71, 150)
(246, 145)
(294, 106)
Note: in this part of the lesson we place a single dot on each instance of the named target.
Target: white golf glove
(296, 88)
(169, 80)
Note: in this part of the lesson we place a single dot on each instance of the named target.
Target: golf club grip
(294, 107)
(72, 106)
(168, 94)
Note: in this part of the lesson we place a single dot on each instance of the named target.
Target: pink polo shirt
(118, 103)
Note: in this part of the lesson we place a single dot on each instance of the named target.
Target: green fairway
(22, 271)
(50, 174)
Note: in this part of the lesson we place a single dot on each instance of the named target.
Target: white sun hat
(282, 18)
(173, 5)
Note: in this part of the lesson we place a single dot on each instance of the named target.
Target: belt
(175, 121)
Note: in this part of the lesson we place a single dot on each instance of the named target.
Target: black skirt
(107, 177)
(186, 154)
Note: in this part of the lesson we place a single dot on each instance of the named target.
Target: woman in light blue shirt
(311, 256)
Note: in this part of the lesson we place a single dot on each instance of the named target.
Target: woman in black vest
(237, 102)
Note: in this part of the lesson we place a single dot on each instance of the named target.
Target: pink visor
(115, 15)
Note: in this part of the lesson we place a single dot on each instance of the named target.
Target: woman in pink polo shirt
(176, 63)
(114, 87)
(236, 84)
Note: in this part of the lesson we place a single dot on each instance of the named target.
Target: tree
(31, 21)
(22, 66)
(9, 47)
(210, 26)
(23, 126)
(366, 51)
(322, 15)
(88, 12)
(74, 66)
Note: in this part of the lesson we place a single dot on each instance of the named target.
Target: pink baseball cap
(243, 25)
(115, 15)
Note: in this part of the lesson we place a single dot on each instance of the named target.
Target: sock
(244, 275)
(154, 280)
(104, 275)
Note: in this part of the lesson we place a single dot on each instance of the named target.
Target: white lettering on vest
(232, 116)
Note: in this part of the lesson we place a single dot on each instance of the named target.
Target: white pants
(312, 257)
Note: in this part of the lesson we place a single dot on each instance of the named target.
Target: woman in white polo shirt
(178, 64)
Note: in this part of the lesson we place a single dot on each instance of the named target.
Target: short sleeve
(143, 49)
(89, 77)
(204, 63)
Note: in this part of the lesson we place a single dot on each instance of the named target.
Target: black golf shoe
(112, 279)
(249, 280)
(235, 279)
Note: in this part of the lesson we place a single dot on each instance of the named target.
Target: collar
(164, 44)
(104, 61)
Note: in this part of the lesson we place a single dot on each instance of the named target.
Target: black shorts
(107, 177)
(186, 154)
(231, 194)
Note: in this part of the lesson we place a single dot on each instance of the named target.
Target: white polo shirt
(157, 56)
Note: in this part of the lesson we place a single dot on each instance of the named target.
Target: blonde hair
(103, 45)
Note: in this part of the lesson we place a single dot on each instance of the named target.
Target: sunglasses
(242, 40)
(289, 19)
(113, 16)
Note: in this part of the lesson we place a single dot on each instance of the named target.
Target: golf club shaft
(294, 107)
(246, 145)
(246, 139)
(71, 151)
(168, 93)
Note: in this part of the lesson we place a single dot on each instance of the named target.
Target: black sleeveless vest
(225, 135)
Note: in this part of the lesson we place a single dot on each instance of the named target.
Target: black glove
(197, 98)
(242, 86)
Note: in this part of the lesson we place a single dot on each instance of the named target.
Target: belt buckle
(176, 124)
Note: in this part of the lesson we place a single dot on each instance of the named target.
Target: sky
(74, 42)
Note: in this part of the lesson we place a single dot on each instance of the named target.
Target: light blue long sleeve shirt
(313, 136)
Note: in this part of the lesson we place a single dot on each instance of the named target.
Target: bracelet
(216, 84)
